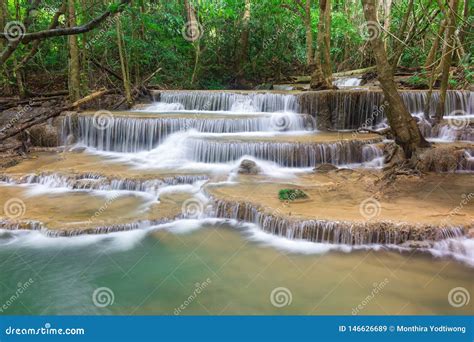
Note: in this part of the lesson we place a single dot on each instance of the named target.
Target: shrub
(291, 194)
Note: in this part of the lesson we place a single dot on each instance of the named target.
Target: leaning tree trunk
(447, 56)
(403, 125)
(74, 66)
(322, 75)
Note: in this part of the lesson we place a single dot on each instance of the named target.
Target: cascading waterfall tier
(284, 153)
(334, 232)
(35, 225)
(94, 181)
(132, 134)
(230, 101)
(353, 109)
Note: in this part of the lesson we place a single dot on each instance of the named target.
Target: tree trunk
(309, 33)
(446, 58)
(243, 52)
(403, 125)
(123, 65)
(74, 84)
(322, 75)
(387, 9)
(434, 48)
(193, 34)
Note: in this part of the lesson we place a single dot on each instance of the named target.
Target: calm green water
(201, 268)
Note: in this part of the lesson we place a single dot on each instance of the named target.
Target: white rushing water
(461, 249)
(199, 141)
(347, 81)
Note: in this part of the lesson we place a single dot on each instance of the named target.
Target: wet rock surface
(325, 168)
(249, 167)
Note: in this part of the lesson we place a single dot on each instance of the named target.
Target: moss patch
(291, 194)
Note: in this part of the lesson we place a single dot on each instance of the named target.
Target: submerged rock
(326, 167)
(417, 244)
(77, 149)
(249, 167)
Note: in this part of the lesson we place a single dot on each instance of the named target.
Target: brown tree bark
(49, 33)
(54, 23)
(434, 48)
(243, 50)
(447, 57)
(194, 34)
(403, 125)
(322, 75)
(74, 76)
(123, 65)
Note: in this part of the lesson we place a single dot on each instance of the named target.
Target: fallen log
(307, 78)
(22, 125)
(91, 97)
(354, 72)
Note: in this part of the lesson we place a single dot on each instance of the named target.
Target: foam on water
(233, 102)
(163, 107)
(347, 82)
(461, 249)
(33, 239)
(174, 155)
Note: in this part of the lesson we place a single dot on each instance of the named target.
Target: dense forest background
(214, 44)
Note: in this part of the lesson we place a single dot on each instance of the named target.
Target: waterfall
(34, 225)
(347, 82)
(353, 109)
(132, 134)
(334, 232)
(467, 163)
(284, 154)
(228, 101)
(93, 181)
(373, 154)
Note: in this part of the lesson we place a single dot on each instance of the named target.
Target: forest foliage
(155, 35)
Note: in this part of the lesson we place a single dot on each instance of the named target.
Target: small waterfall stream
(230, 101)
